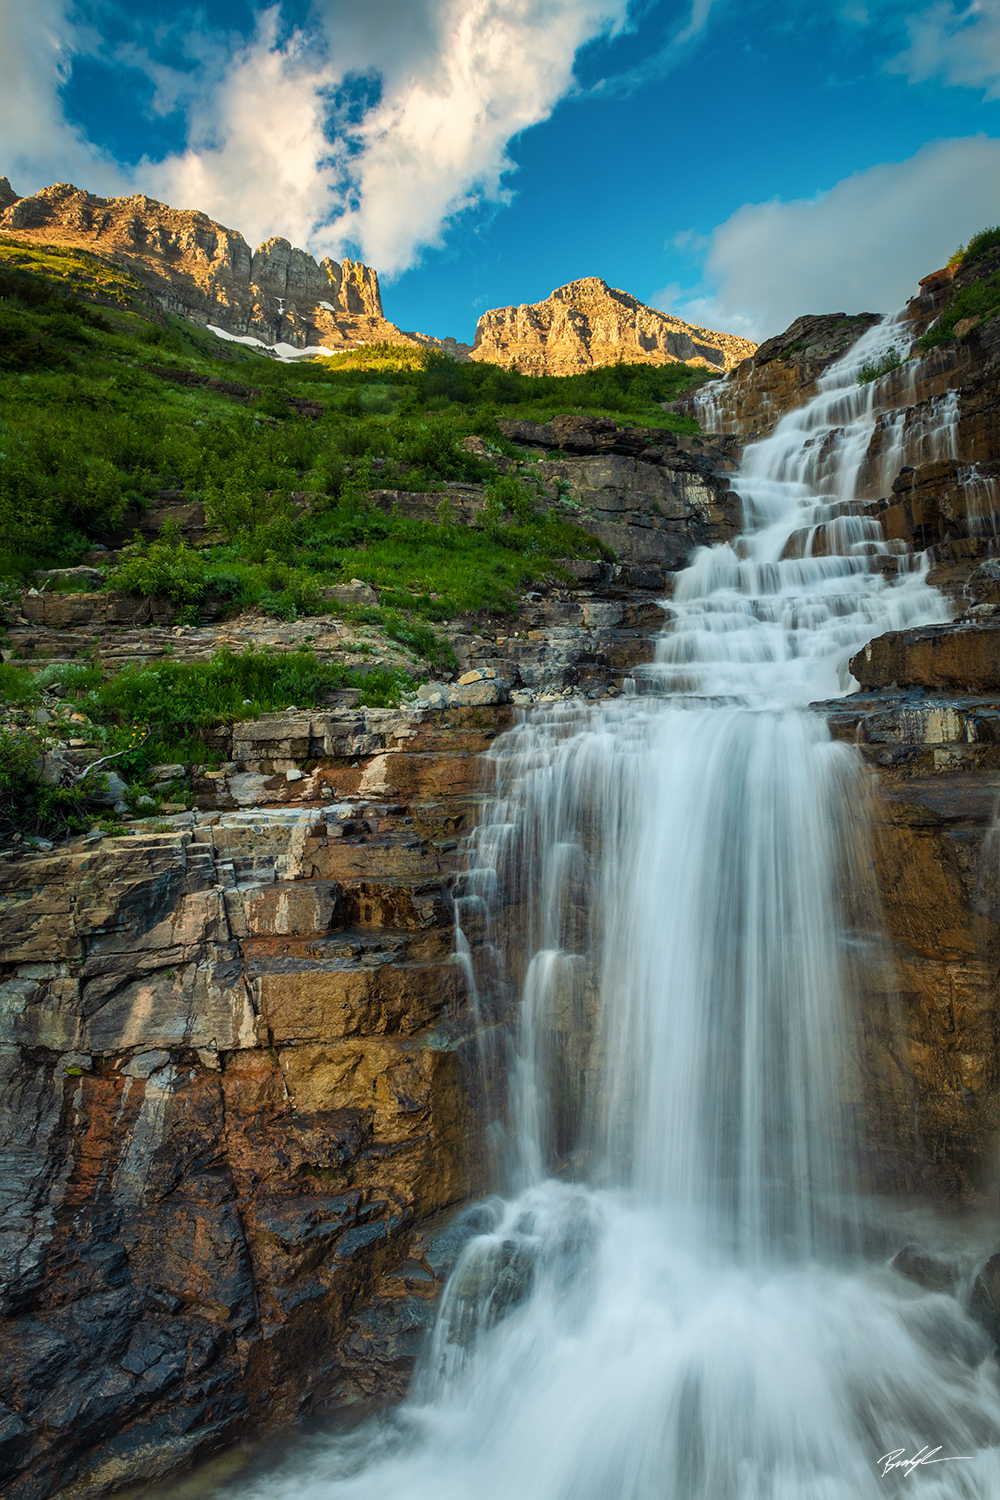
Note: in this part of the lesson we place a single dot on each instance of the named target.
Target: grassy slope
(90, 430)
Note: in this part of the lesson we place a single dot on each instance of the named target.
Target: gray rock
(145, 1064)
(485, 690)
(110, 790)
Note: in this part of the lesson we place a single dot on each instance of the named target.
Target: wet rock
(962, 657)
(984, 1303)
(930, 1271)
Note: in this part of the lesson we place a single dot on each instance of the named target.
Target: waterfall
(675, 1297)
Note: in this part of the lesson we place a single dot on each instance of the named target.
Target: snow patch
(286, 352)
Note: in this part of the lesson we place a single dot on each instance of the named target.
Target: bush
(29, 805)
(17, 684)
(980, 243)
(168, 567)
(876, 368)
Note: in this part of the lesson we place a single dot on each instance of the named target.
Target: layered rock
(780, 374)
(587, 324)
(195, 267)
(234, 1096)
(237, 1098)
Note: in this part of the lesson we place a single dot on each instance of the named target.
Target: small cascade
(982, 502)
(675, 1297)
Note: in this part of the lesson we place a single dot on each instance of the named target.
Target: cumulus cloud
(958, 44)
(37, 44)
(862, 246)
(447, 83)
(371, 126)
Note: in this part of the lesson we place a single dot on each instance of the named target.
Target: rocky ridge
(587, 324)
(190, 265)
(207, 273)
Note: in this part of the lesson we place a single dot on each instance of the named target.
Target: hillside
(190, 265)
(181, 261)
(153, 475)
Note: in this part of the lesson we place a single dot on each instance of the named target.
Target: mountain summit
(587, 323)
(278, 295)
(205, 272)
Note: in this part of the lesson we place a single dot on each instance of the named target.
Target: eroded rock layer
(235, 1085)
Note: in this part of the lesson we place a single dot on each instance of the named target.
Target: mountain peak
(587, 323)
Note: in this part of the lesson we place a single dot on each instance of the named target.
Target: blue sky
(735, 161)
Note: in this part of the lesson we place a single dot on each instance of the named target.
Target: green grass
(156, 714)
(89, 435)
(876, 368)
(979, 299)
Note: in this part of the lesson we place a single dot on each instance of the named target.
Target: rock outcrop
(587, 324)
(234, 1098)
(779, 375)
(238, 1105)
(195, 267)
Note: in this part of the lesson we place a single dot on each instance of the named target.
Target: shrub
(29, 805)
(876, 368)
(17, 684)
(168, 567)
(980, 243)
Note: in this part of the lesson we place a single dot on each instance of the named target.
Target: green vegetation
(976, 299)
(305, 471)
(99, 413)
(876, 368)
(145, 716)
(985, 240)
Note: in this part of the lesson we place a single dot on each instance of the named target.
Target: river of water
(678, 1293)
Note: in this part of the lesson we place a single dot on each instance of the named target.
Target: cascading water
(674, 1302)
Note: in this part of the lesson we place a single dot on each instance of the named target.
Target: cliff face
(586, 324)
(203, 271)
(238, 1098)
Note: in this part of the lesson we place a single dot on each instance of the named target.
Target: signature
(897, 1459)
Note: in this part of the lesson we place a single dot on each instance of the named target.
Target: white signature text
(897, 1459)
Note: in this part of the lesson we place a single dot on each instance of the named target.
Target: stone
(109, 789)
(294, 775)
(481, 690)
(145, 1064)
(964, 657)
(92, 578)
(929, 1271)
(984, 1303)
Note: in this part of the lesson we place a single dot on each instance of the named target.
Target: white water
(673, 1302)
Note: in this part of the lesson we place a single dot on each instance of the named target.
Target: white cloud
(959, 44)
(458, 79)
(440, 88)
(860, 247)
(38, 146)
